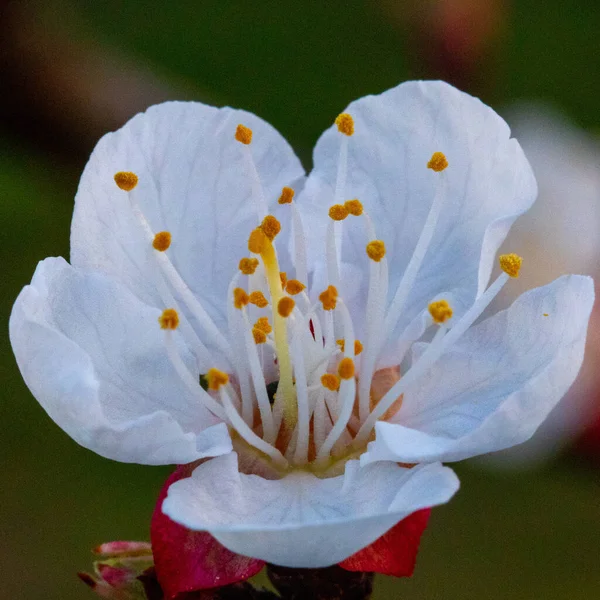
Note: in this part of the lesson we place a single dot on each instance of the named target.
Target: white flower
(404, 270)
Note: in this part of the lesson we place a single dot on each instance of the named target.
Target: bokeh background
(71, 70)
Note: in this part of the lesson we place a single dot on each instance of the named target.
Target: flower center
(300, 389)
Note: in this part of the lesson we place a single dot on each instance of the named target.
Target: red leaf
(186, 560)
(395, 552)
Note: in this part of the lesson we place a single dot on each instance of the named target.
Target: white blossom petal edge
(302, 335)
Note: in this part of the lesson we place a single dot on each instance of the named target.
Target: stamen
(263, 324)
(338, 212)
(260, 337)
(162, 241)
(240, 298)
(303, 423)
(258, 299)
(376, 250)
(257, 242)
(287, 195)
(216, 378)
(248, 265)
(511, 264)
(293, 287)
(329, 298)
(283, 279)
(330, 381)
(169, 319)
(243, 134)
(438, 162)
(270, 226)
(354, 207)
(346, 368)
(441, 342)
(440, 311)
(285, 306)
(126, 180)
(358, 347)
(345, 124)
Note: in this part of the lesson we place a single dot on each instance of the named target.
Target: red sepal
(186, 560)
(395, 552)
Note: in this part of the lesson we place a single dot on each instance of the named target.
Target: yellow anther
(354, 207)
(438, 162)
(263, 324)
(240, 298)
(258, 299)
(243, 134)
(248, 265)
(287, 195)
(545, 314)
(346, 368)
(511, 264)
(293, 287)
(330, 382)
(358, 347)
(338, 212)
(169, 319)
(162, 241)
(283, 279)
(345, 124)
(270, 226)
(260, 337)
(376, 250)
(329, 298)
(216, 378)
(257, 241)
(285, 306)
(126, 180)
(440, 311)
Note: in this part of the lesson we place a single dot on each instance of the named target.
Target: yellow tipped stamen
(338, 212)
(126, 180)
(293, 287)
(258, 299)
(169, 319)
(346, 368)
(345, 124)
(376, 250)
(438, 162)
(257, 242)
(260, 337)
(287, 195)
(216, 378)
(283, 279)
(162, 241)
(240, 298)
(248, 265)
(330, 382)
(329, 298)
(545, 314)
(263, 324)
(440, 311)
(270, 226)
(511, 264)
(354, 207)
(358, 347)
(243, 134)
(285, 306)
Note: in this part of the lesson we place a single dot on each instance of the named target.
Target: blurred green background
(71, 70)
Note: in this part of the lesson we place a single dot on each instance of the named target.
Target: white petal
(303, 521)
(489, 184)
(192, 182)
(497, 384)
(93, 355)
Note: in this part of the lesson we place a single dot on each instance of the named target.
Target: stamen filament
(303, 425)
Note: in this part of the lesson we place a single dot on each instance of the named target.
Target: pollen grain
(338, 212)
(285, 306)
(345, 124)
(260, 337)
(287, 195)
(257, 241)
(293, 287)
(248, 265)
(258, 299)
(263, 324)
(511, 264)
(376, 250)
(346, 368)
(330, 382)
(438, 162)
(270, 226)
(354, 207)
(216, 378)
(162, 241)
(440, 311)
(240, 298)
(329, 298)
